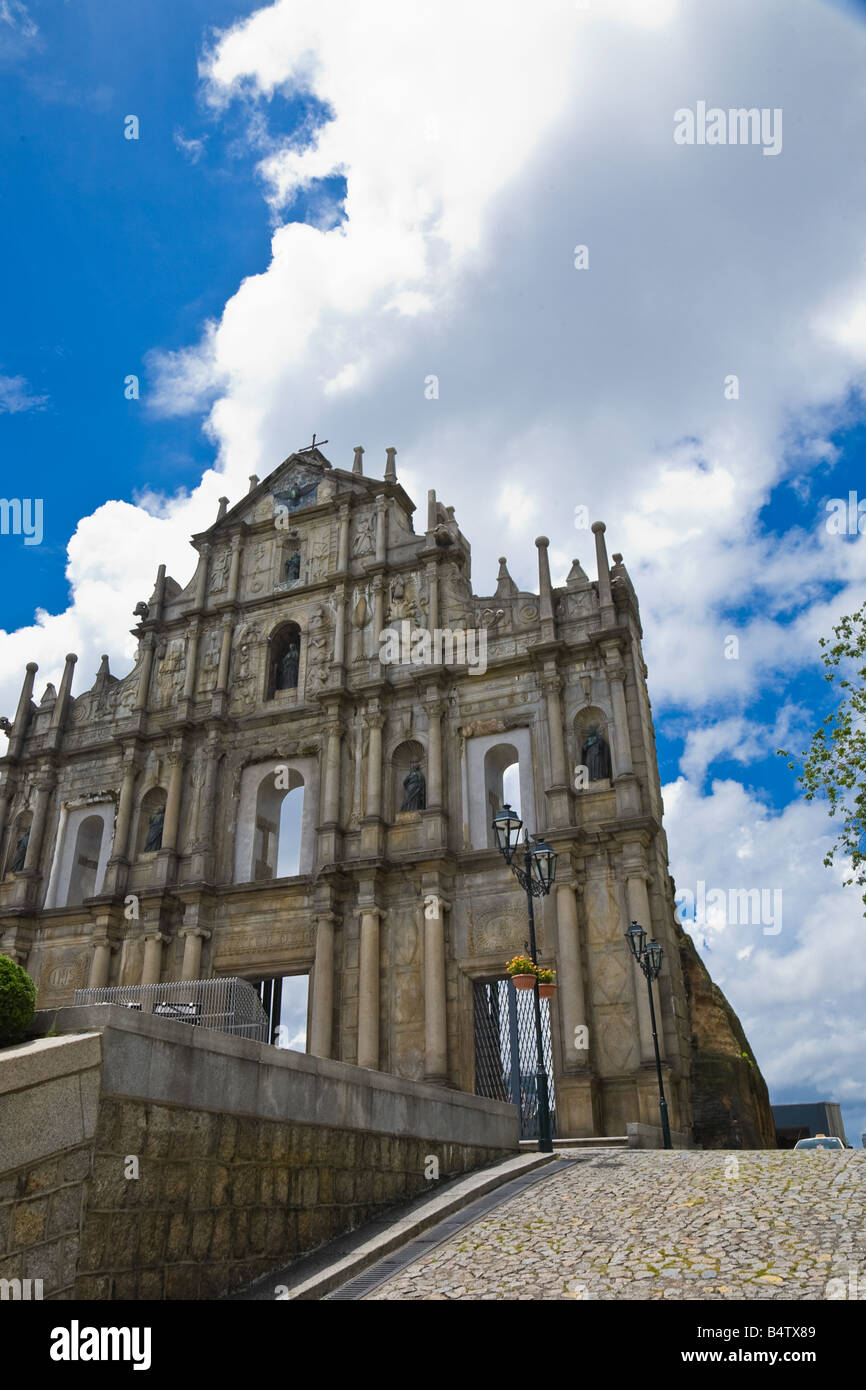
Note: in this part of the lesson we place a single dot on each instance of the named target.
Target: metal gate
(505, 1050)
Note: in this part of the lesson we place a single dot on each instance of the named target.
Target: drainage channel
(421, 1245)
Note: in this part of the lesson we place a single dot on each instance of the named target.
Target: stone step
(604, 1141)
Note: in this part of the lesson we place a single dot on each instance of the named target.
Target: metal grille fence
(229, 1005)
(505, 1050)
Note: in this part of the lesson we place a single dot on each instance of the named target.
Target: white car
(820, 1141)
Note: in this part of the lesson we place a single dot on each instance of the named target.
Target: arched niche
(584, 721)
(284, 659)
(151, 814)
(19, 836)
(402, 758)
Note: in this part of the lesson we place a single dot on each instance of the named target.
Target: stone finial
(605, 598)
(390, 466)
(505, 585)
(358, 462)
(223, 508)
(432, 514)
(103, 673)
(50, 695)
(577, 576)
(254, 482)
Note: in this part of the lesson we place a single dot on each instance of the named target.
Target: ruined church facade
(143, 834)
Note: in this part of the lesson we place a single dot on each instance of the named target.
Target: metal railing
(505, 1050)
(227, 1004)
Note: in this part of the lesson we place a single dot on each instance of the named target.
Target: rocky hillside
(730, 1101)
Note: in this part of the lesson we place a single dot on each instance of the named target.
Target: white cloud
(479, 145)
(16, 396)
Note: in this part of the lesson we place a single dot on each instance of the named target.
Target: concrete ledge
(172, 1063)
(651, 1137)
(29, 1063)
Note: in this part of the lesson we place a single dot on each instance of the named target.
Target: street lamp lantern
(649, 957)
(636, 938)
(535, 878)
(507, 826)
(654, 956)
(543, 864)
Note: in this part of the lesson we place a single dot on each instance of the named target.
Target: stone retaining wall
(245, 1155)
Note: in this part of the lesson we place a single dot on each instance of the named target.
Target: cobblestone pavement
(681, 1225)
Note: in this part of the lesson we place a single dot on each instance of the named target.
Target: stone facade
(262, 679)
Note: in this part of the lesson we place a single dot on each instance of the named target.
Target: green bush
(17, 1001)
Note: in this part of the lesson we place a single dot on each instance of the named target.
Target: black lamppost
(649, 957)
(536, 876)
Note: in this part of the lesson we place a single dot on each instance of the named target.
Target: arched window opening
(85, 861)
(278, 822)
(284, 659)
(501, 783)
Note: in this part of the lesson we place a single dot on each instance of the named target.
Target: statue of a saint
(20, 852)
(154, 830)
(414, 789)
(293, 567)
(287, 666)
(595, 755)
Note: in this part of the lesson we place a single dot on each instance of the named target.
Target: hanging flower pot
(523, 981)
(522, 972)
(546, 984)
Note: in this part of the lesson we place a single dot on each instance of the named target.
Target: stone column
(191, 660)
(368, 989)
(381, 529)
(63, 694)
(331, 807)
(22, 713)
(340, 626)
(378, 608)
(234, 571)
(207, 800)
(639, 911)
(572, 1005)
(146, 666)
(435, 995)
(152, 969)
(222, 682)
(374, 723)
(432, 596)
(201, 578)
(552, 684)
(615, 671)
(434, 707)
(192, 944)
(605, 597)
(322, 1002)
(172, 801)
(343, 543)
(102, 948)
(124, 807)
(545, 593)
(44, 787)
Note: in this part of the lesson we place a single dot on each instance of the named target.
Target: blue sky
(319, 213)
